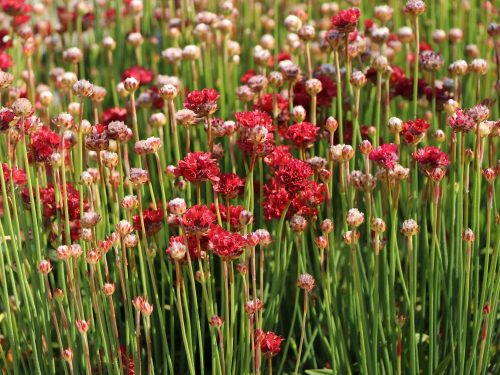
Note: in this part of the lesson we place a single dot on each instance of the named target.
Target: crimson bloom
(229, 185)
(203, 102)
(18, 175)
(461, 122)
(197, 219)
(198, 166)
(385, 155)
(269, 342)
(346, 20)
(293, 175)
(413, 131)
(226, 245)
(233, 216)
(143, 75)
(430, 158)
(43, 144)
(302, 135)
(114, 114)
(6, 117)
(153, 220)
(192, 246)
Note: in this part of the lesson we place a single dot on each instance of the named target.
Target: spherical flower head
(385, 155)
(490, 174)
(410, 228)
(63, 252)
(306, 282)
(293, 175)
(226, 245)
(326, 226)
(185, 117)
(137, 302)
(358, 79)
(138, 177)
(253, 306)
(130, 202)
(22, 107)
(177, 251)
(141, 74)
(130, 84)
(302, 135)
(108, 289)
(461, 122)
(354, 218)
(216, 321)
(229, 185)
(351, 237)
(130, 240)
(67, 354)
(346, 20)
(269, 343)
(82, 326)
(378, 225)
(203, 103)
(83, 88)
(468, 235)
(415, 7)
(264, 237)
(198, 166)
(431, 157)
(431, 61)
(198, 219)
(321, 242)
(414, 130)
(479, 113)
(298, 223)
(123, 227)
(146, 308)
(153, 220)
(177, 206)
(44, 267)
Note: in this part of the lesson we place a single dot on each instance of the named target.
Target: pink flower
(461, 122)
(198, 219)
(385, 155)
(413, 131)
(431, 157)
(346, 20)
(269, 342)
(226, 245)
(198, 166)
(203, 102)
(302, 135)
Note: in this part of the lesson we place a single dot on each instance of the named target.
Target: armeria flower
(265, 104)
(15, 8)
(254, 118)
(226, 245)
(197, 219)
(269, 343)
(143, 75)
(346, 20)
(203, 102)
(431, 61)
(234, 215)
(229, 185)
(306, 201)
(430, 158)
(293, 175)
(461, 122)
(414, 130)
(385, 155)
(114, 114)
(153, 220)
(97, 139)
(280, 155)
(192, 247)
(276, 200)
(198, 166)
(6, 118)
(43, 144)
(302, 135)
(18, 175)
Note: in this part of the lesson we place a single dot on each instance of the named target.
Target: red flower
(203, 102)
(385, 155)
(43, 144)
(346, 20)
(192, 245)
(413, 131)
(198, 219)
(269, 342)
(234, 215)
(15, 7)
(280, 155)
(226, 245)
(302, 135)
(276, 200)
(265, 104)
(308, 198)
(461, 122)
(247, 75)
(5, 60)
(254, 118)
(198, 166)
(431, 157)
(114, 114)
(97, 139)
(293, 175)
(229, 185)
(18, 175)
(5, 40)
(152, 221)
(6, 117)
(143, 75)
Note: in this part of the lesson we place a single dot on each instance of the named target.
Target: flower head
(203, 102)
(226, 245)
(197, 219)
(198, 166)
(385, 155)
(346, 20)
